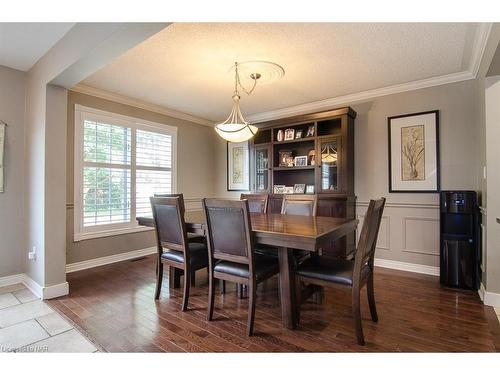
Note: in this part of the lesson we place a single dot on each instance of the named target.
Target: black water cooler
(460, 240)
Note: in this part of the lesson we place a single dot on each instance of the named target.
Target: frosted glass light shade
(236, 132)
(235, 128)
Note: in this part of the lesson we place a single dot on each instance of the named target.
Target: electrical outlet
(32, 254)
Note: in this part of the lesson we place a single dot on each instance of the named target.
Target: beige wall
(12, 102)
(492, 107)
(410, 229)
(195, 166)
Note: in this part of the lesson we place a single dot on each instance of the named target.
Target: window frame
(82, 113)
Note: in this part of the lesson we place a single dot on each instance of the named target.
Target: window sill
(109, 233)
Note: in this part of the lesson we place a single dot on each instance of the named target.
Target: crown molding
(480, 41)
(350, 99)
(122, 99)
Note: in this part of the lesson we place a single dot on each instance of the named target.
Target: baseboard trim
(410, 267)
(43, 292)
(491, 299)
(11, 280)
(102, 261)
(481, 292)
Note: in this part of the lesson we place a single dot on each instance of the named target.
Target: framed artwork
(309, 189)
(298, 134)
(299, 188)
(310, 131)
(300, 161)
(289, 134)
(414, 153)
(288, 190)
(238, 166)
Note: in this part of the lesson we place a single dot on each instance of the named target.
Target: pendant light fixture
(235, 128)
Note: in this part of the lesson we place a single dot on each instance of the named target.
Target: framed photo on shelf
(300, 161)
(238, 166)
(309, 189)
(278, 189)
(284, 158)
(288, 190)
(414, 153)
(298, 134)
(310, 131)
(299, 188)
(289, 134)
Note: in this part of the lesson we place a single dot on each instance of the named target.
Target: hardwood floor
(115, 306)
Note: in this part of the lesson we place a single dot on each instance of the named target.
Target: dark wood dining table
(286, 232)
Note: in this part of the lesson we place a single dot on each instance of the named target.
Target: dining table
(287, 233)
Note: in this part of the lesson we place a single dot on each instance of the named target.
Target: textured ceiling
(186, 67)
(23, 44)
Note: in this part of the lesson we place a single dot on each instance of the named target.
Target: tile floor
(28, 324)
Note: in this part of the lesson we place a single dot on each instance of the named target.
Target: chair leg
(251, 307)
(371, 299)
(159, 279)
(356, 312)
(298, 297)
(222, 286)
(211, 297)
(193, 278)
(185, 298)
(240, 291)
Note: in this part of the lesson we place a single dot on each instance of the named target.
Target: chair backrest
(365, 252)
(229, 230)
(181, 196)
(299, 204)
(257, 203)
(168, 215)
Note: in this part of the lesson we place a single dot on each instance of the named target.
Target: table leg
(287, 288)
(174, 277)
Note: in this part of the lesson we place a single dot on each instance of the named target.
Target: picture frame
(414, 165)
(289, 134)
(309, 189)
(279, 189)
(298, 134)
(284, 158)
(310, 131)
(238, 166)
(288, 190)
(300, 161)
(299, 188)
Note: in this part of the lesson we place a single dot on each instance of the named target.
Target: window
(119, 163)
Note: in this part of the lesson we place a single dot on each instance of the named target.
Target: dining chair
(257, 203)
(174, 249)
(231, 251)
(299, 204)
(192, 237)
(353, 274)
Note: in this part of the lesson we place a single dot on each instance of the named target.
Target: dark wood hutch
(331, 173)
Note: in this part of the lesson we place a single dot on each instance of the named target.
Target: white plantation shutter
(119, 163)
(154, 168)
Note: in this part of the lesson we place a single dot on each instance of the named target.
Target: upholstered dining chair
(353, 274)
(231, 251)
(300, 204)
(257, 203)
(174, 249)
(192, 237)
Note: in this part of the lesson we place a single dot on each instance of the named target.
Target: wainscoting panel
(409, 233)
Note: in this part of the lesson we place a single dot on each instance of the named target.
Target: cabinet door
(261, 168)
(329, 161)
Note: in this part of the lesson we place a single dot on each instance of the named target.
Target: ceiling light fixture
(235, 128)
